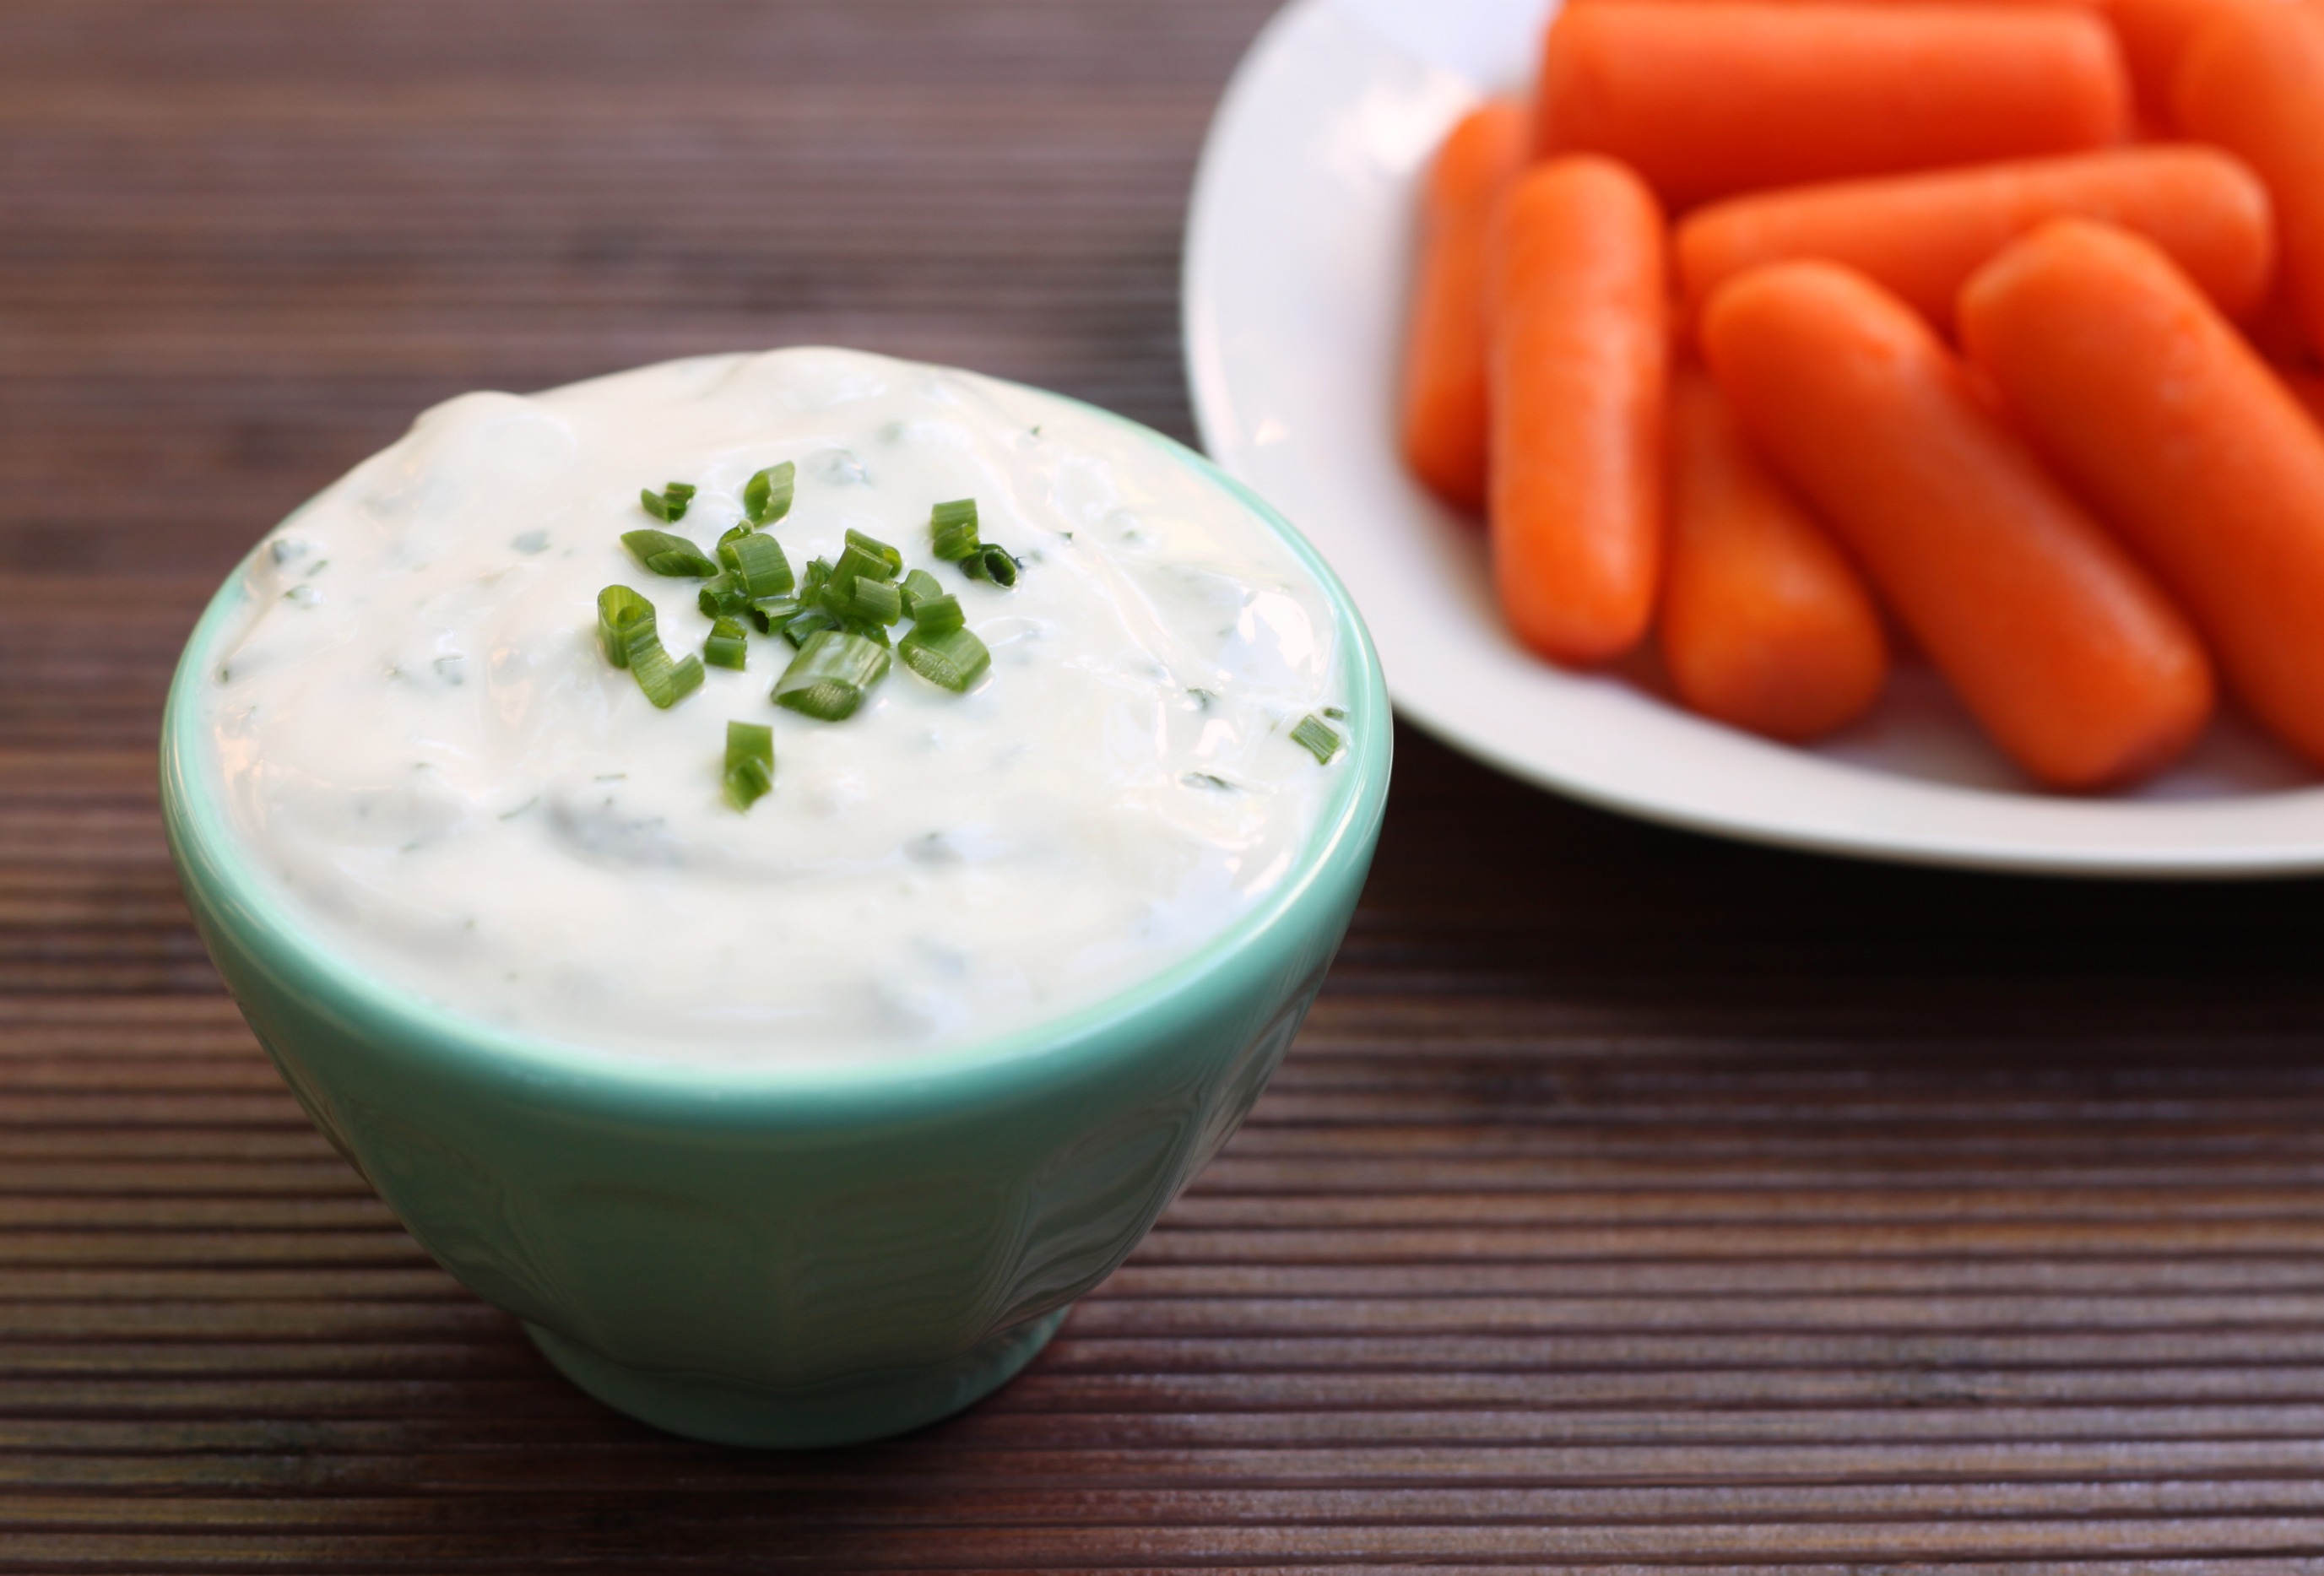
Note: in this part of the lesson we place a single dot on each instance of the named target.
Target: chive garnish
(992, 562)
(828, 678)
(937, 615)
(767, 496)
(666, 683)
(873, 547)
(723, 598)
(771, 614)
(802, 626)
(953, 528)
(864, 599)
(670, 504)
(760, 564)
(950, 659)
(1322, 739)
(859, 563)
(750, 763)
(727, 647)
(918, 585)
(621, 610)
(665, 554)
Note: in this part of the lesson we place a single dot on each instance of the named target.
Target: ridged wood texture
(1631, 1201)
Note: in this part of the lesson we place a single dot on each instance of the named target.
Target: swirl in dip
(420, 737)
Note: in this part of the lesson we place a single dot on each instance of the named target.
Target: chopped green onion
(771, 614)
(875, 548)
(875, 633)
(1335, 713)
(917, 586)
(1322, 739)
(813, 579)
(723, 597)
(858, 563)
(727, 647)
(750, 763)
(937, 615)
(670, 504)
(953, 659)
(992, 562)
(619, 611)
(767, 496)
(666, 683)
(665, 554)
(801, 627)
(828, 678)
(759, 562)
(865, 598)
(953, 528)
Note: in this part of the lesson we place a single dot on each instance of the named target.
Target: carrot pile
(1771, 325)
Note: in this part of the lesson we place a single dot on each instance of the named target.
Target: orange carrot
(2307, 388)
(1444, 421)
(2187, 442)
(1764, 623)
(2254, 83)
(1922, 235)
(2059, 642)
(2155, 35)
(1580, 364)
(1709, 100)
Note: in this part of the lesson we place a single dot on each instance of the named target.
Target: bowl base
(847, 1411)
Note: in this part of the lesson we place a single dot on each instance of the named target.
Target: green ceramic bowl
(773, 1255)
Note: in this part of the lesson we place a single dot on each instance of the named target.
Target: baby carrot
(1443, 421)
(1580, 364)
(2154, 36)
(1922, 235)
(2309, 390)
(2060, 644)
(1765, 624)
(1708, 100)
(2254, 83)
(2187, 442)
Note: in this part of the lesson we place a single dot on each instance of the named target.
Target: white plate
(1297, 251)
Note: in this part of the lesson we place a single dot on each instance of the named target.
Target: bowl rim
(219, 877)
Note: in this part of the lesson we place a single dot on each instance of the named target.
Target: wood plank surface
(1631, 1200)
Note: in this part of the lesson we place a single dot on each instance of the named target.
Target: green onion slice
(829, 677)
(937, 615)
(723, 597)
(801, 627)
(670, 504)
(857, 563)
(767, 496)
(665, 554)
(917, 586)
(1322, 739)
(666, 683)
(864, 599)
(953, 528)
(727, 647)
(750, 763)
(992, 562)
(873, 546)
(771, 614)
(954, 659)
(621, 610)
(759, 563)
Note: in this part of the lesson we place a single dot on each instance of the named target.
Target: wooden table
(1631, 1200)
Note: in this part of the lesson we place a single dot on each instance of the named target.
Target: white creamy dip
(419, 736)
